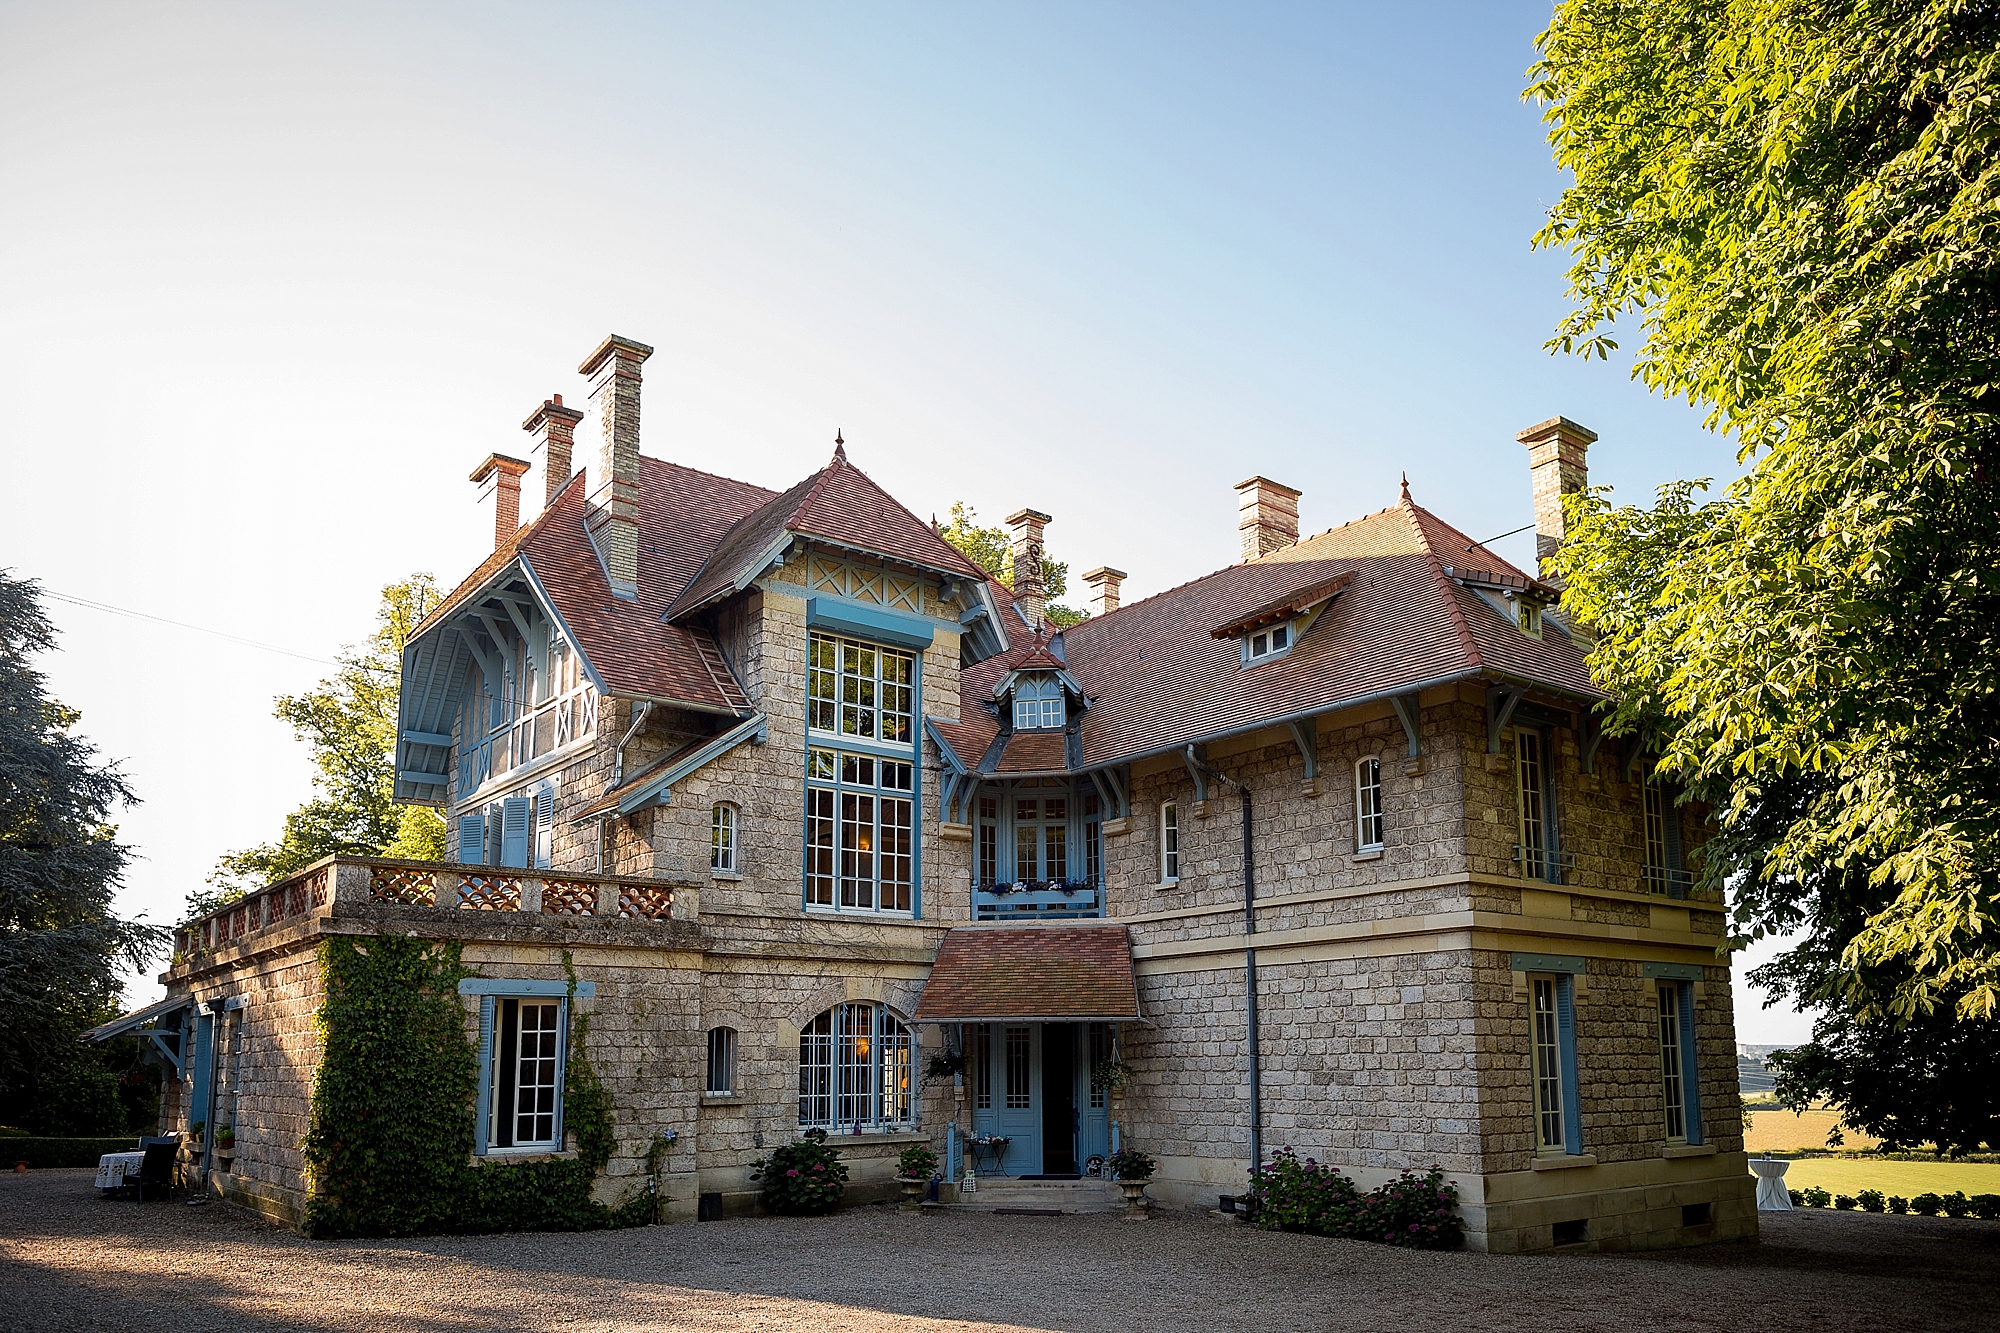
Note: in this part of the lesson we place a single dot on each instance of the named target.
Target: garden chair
(158, 1168)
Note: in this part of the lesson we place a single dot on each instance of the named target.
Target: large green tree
(348, 723)
(61, 944)
(992, 549)
(1798, 203)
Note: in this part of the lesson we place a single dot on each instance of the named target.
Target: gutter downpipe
(639, 716)
(1249, 969)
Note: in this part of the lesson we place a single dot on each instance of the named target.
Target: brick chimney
(1030, 590)
(1555, 461)
(1267, 517)
(500, 476)
(613, 371)
(554, 429)
(1103, 584)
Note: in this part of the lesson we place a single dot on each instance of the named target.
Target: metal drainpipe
(1249, 967)
(217, 1018)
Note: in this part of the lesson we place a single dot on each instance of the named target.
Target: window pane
(897, 777)
(1548, 1066)
(816, 1073)
(1368, 803)
(1024, 714)
(857, 850)
(1528, 779)
(979, 1061)
(1100, 1052)
(1019, 1096)
(821, 688)
(1027, 848)
(820, 765)
(1279, 638)
(1170, 841)
(535, 1076)
(819, 847)
(1055, 849)
(855, 1073)
(896, 857)
(1670, 1060)
(857, 770)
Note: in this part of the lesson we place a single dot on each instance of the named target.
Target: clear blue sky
(274, 278)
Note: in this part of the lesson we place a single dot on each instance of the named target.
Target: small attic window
(1529, 617)
(1259, 644)
(1038, 704)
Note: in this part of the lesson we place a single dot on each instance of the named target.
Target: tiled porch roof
(1035, 973)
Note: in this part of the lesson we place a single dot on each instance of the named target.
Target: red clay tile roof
(839, 503)
(1159, 680)
(1068, 973)
(683, 513)
(1032, 752)
(1270, 613)
(610, 799)
(970, 738)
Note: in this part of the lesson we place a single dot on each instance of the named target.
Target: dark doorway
(1059, 1099)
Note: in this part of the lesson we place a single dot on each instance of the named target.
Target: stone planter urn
(1136, 1201)
(913, 1188)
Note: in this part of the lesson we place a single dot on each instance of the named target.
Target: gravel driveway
(70, 1260)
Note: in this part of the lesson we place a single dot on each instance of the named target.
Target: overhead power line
(199, 629)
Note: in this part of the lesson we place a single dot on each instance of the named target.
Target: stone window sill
(1565, 1162)
(1370, 854)
(1688, 1150)
(722, 1099)
(1166, 884)
(497, 1156)
(866, 1138)
(725, 874)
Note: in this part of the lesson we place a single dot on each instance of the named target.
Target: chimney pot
(1267, 517)
(501, 477)
(613, 516)
(1556, 450)
(1030, 587)
(1103, 584)
(554, 429)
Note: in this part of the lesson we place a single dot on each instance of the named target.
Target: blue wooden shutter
(204, 1053)
(484, 1132)
(545, 826)
(1566, 1040)
(472, 840)
(1690, 1066)
(562, 1065)
(514, 817)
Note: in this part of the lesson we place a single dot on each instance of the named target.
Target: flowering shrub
(1131, 1164)
(919, 1162)
(1291, 1193)
(802, 1177)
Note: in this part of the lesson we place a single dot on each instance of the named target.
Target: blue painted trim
(510, 986)
(945, 752)
(426, 738)
(416, 779)
(1546, 962)
(1566, 1039)
(867, 621)
(1672, 972)
(824, 740)
(562, 1063)
(483, 1131)
(1690, 1068)
(660, 789)
(916, 811)
(204, 1055)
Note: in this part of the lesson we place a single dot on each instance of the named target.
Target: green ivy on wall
(390, 1148)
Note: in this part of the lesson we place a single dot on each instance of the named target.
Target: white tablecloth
(1772, 1197)
(115, 1168)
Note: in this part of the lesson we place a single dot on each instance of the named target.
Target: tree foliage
(992, 550)
(1799, 201)
(348, 723)
(61, 944)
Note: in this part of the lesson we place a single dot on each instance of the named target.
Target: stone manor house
(1323, 849)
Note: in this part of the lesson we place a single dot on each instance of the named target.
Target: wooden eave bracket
(1305, 735)
(1197, 770)
(1501, 701)
(1593, 736)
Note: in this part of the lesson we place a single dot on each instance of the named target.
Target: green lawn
(1847, 1175)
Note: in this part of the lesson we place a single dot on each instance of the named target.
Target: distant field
(1782, 1131)
(1844, 1175)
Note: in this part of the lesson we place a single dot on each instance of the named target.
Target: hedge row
(42, 1153)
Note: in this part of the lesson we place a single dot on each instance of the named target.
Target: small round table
(1772, 1197)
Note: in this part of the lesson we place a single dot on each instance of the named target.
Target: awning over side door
(1072, 973)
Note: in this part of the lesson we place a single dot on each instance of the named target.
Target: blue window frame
(523, 1058)
(1038, 703)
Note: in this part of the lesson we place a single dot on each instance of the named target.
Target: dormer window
(1259, 644)
(1038, 704)
(1529, 617)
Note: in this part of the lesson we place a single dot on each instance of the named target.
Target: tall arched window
(722, 838)
(855, 1069)
(1368, 805)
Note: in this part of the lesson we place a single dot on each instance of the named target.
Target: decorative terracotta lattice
(489, 893)
(389, 884)
(296, 899)
(275, 902)
(239, 923)
(645, 902)
(569, 897)
(318, 882)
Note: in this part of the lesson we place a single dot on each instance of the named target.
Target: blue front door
(1030, 1083)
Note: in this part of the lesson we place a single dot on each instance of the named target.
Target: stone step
(1071, 1196)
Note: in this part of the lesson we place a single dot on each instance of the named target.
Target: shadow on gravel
(69, 1260)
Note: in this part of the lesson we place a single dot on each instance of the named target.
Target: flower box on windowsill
(869, 1137)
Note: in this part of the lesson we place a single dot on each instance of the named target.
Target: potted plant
(914, 1168)
(195, 1130)
(225, 1145)
(1132, 1170)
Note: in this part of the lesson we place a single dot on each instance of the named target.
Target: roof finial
(839, 447)
(1406, 488)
